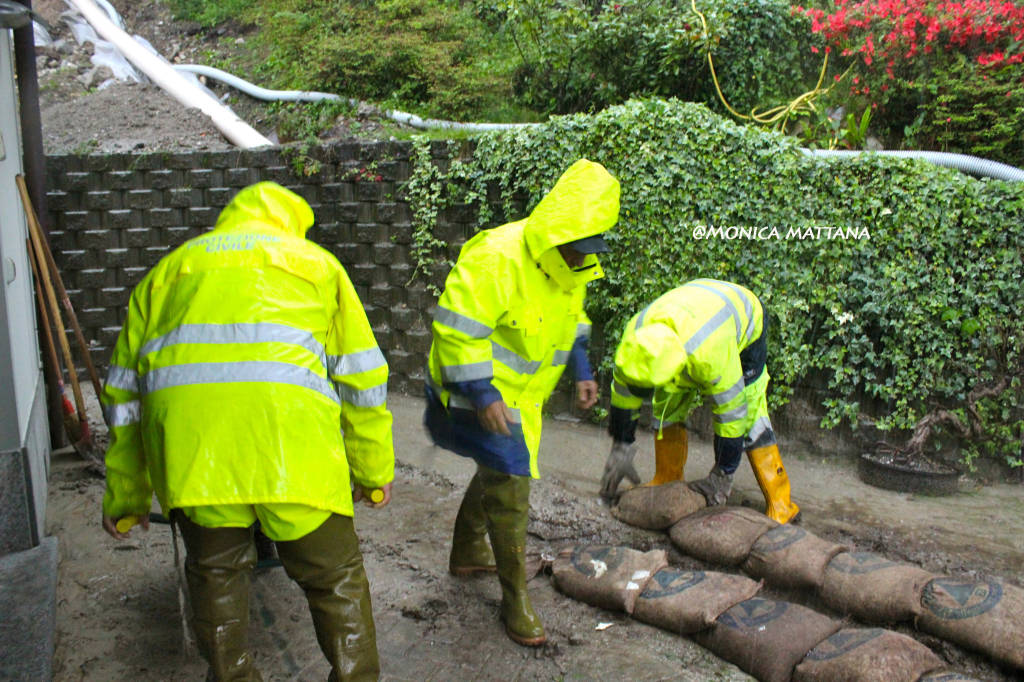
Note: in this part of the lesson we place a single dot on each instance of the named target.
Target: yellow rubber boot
(771, 476)
(669, 455)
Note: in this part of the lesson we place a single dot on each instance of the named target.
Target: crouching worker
(246, 386)
(509, 321)
(705, 338)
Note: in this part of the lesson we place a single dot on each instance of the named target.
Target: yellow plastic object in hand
(126, 523)
(377, 496)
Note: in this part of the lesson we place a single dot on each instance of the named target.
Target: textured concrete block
(73, 220)
(132, 275)
(122, 219)
(239, 177)
(113, 297)
(75, 181)
(115, 258)
(384, 253)
(163, 217)
(202, 216)
(203, 177)
(220, 196)
(181, 197)
(123, 179)
(75, 259)
(92, 278)
(60, 201)
(96, 239)
(142, 198)
(162, 178)
(151, 255)
(138, 237)
(348, 212)
(97, 317)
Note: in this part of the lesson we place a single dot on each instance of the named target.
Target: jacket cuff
(481, 392)
(578, 361)
(622, 425)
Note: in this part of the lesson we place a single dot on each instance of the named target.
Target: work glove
(618, 466)
(715, 488)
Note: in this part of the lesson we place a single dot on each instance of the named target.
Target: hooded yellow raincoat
(512, 310)
(686, 344)
(246, 373)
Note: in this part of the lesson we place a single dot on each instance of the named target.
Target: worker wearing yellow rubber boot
(509, 323)
(705, 339)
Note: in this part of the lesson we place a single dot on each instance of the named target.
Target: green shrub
(209, 13)
(915, 307)
(430, 55)
(583, 56)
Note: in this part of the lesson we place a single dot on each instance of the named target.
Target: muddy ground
(118, 615)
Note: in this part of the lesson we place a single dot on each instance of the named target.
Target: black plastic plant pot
(882, 471)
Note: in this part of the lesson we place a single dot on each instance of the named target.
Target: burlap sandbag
(986, 615)
(947, 676)
(608, 577)
(720, 535)
(767, 638)
(867, 655)
(873, 588)
(658, 506)
(688, 601)
(790, 557)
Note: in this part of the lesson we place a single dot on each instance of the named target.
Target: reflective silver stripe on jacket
(735, 414)
(468, 372)
(728, 394)
(728, 304)
(236, 372)
(513, 360)
(761, 426)
(123, 414)
(702, 334)
(560, 358)
(583, 330)
(459, 322)
(641, 316)
(239, 332)
(355, 363)
(622, 389)
(374, 396)
(123, 378)
(748, 307)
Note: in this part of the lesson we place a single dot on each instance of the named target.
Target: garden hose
(777, 115)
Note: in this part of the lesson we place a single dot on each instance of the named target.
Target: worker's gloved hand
(618, 466)
(715, 488)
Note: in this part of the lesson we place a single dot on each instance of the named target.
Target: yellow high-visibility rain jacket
(246, 372)
(688, 343)
(512, 310)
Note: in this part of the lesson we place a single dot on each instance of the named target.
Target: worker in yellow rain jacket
(508, 323)
(246, 385)
(705, 338)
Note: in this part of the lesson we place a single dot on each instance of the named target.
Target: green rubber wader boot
(506, 503)
(328, 567)
(218, 565)
(471, 553)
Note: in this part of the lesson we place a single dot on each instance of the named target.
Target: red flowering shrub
(907, 55)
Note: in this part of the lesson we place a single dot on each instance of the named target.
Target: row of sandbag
(774, 641)
(984, 615)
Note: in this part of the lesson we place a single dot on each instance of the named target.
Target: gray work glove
(715, 488)
(618, 466)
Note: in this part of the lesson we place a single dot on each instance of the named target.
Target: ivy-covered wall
(894, 287)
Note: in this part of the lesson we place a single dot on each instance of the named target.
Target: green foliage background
(913, 317)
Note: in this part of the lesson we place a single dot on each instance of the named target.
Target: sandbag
(684, 602)
(986, 616)
(720, 535)
(608, 577)
(657, 507)
(867, 655)
(767, 638)
(947, 676)
(790, 557)
(873, 588)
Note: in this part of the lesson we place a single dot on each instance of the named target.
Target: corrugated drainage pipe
(964, 163)
(230, 125)
(311, 96)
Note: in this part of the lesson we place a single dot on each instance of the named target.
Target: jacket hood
(650, 356)
(267, 204)
(583, 202)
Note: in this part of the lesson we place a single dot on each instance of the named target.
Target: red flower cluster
(891, 31)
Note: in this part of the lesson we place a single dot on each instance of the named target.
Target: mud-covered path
(117, 604)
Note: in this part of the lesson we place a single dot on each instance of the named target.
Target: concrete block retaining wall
(112, 217)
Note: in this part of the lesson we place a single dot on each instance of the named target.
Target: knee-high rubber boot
(771, 477)
(218, 565)
(328, 567)
(669, 455)
(506, 503)
(471, 553)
